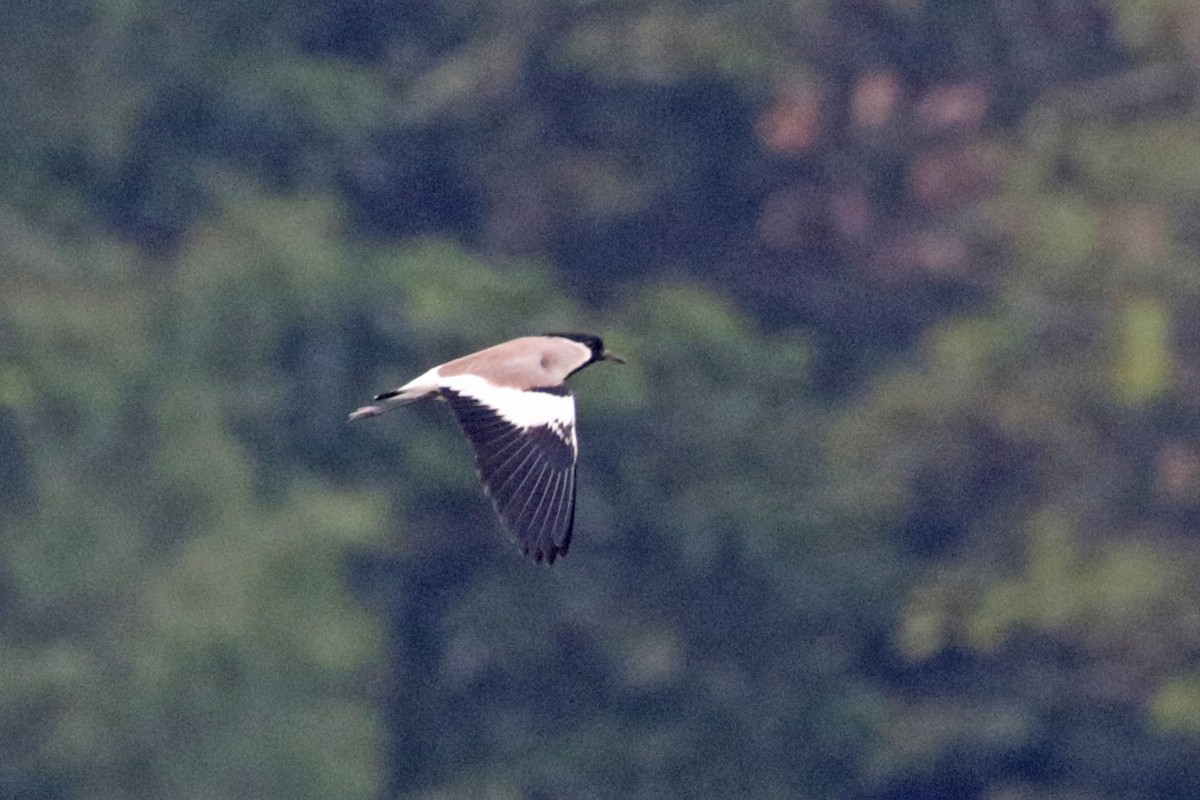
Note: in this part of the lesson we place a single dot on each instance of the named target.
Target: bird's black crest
(591, 341)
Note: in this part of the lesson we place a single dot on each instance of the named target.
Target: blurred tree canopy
(896, 498)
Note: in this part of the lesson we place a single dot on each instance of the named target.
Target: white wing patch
(521, 408)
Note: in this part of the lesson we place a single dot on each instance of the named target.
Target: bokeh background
(898, 496)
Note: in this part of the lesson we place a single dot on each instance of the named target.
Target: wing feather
(526, 467)
(541, 520)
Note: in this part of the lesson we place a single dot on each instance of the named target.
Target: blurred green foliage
(896, 498)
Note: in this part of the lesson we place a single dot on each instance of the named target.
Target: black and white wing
(525, 451)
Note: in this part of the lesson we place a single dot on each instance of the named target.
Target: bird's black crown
(592, 342)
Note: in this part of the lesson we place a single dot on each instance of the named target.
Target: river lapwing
(519, 415)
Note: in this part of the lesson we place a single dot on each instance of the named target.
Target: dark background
(898, 496)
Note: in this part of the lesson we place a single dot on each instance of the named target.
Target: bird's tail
(382, 403)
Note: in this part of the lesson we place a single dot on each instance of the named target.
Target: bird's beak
(613, 357)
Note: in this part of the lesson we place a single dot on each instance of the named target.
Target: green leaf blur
(896, 497)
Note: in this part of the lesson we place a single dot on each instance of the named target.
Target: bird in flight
(512, 402)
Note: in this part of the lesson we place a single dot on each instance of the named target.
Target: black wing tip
(549, 554)
(550, 551)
